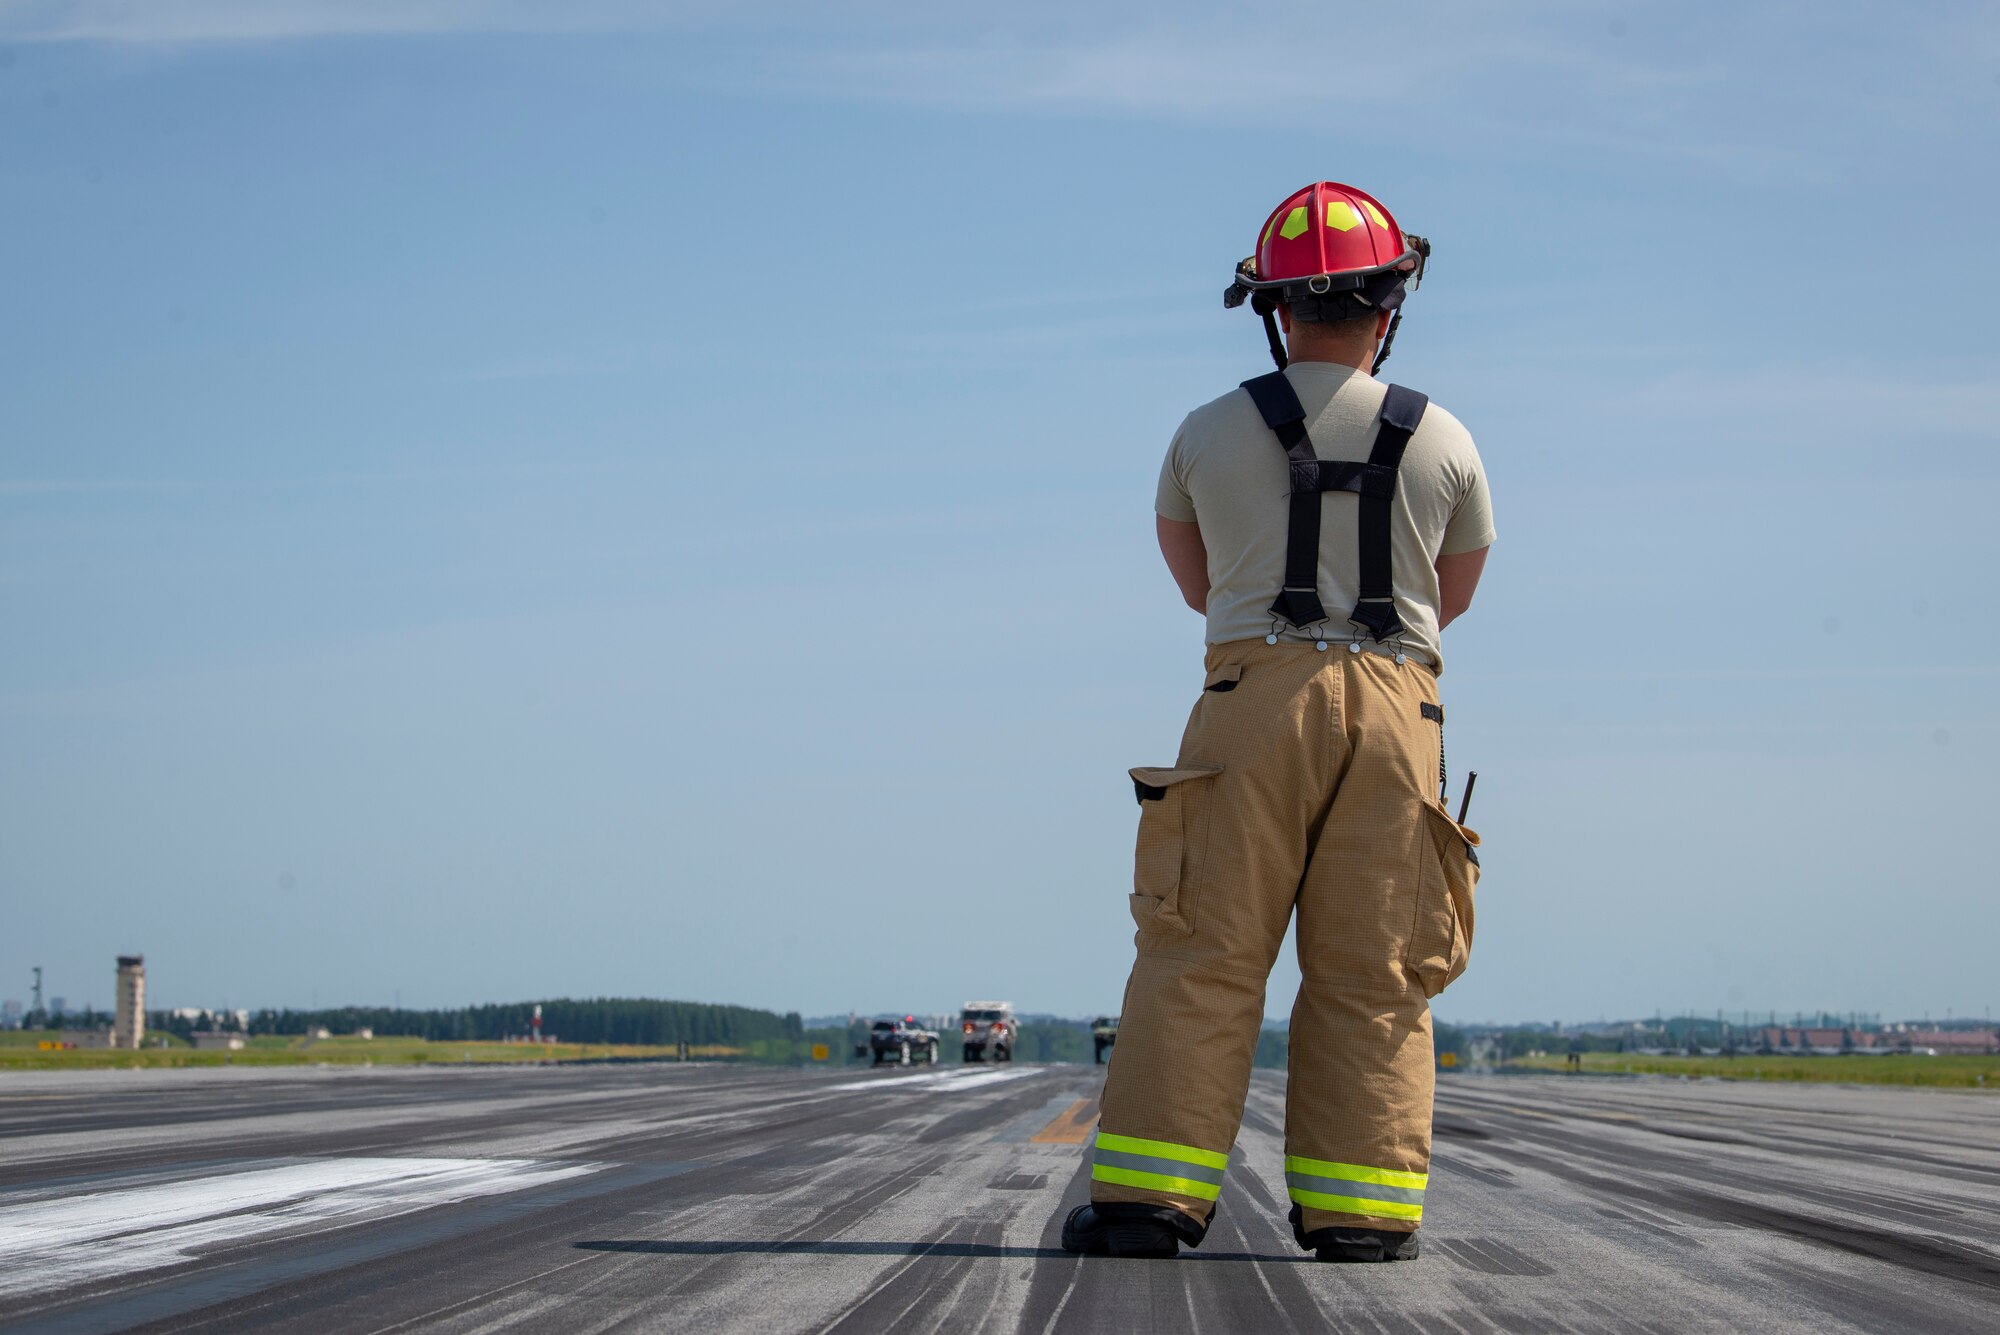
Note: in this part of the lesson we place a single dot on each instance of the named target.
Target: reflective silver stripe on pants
(1147, 1163)
(1367, 1191)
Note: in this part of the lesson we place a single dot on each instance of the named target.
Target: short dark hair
(1330, 310)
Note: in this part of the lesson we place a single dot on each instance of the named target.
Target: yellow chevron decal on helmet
(1340, 216)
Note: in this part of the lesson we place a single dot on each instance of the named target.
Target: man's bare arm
(1187, 559)
(1458, 576)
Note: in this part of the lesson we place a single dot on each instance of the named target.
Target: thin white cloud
(1651, 78)
(1828, 404)
(1716, 90)
(1195, 65)
(1893, 672)
(108, 486)
(1179, 73)
(222, 21)
(61, 486)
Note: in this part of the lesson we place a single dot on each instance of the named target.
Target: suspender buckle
(1378, 615)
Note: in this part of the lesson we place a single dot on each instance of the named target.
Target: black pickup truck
(902, 1041)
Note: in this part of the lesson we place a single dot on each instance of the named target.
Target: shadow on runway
(649, 1247)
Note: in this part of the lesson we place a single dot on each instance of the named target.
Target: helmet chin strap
(1382, 353)
(1277, 343)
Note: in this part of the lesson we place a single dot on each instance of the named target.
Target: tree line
(596, 1020)
(41, 1017)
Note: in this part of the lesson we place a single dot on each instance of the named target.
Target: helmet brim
(1367, 284)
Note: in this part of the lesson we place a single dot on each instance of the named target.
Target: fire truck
(990, 1030)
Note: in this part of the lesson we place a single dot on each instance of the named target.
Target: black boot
(1129, 1229)
(1354, 1244)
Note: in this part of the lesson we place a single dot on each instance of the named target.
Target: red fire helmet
(1329, 228)
(1328, 251)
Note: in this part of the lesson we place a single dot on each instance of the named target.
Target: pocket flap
(1152, 783)
(1445, 822)
(1223, 678)
(1450, 952)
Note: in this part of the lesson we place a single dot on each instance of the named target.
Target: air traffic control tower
(130, 1029)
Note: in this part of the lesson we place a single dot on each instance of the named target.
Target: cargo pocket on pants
(1173, 844)
(1441, 937)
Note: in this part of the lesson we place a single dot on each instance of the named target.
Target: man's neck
(1359, 358)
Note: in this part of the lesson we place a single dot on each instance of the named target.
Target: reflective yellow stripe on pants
(1158, 1165)
(1355, 1189)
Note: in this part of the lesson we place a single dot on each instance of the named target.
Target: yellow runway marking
(1071, 1127)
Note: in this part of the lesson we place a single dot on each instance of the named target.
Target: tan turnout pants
(1307, 780)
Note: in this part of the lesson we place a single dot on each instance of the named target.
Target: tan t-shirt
(1227, 472)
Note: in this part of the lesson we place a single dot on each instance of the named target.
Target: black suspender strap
(1298, 601)
(1375, 608)
(1373, 482)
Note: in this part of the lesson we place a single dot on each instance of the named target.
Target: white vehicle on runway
(990, 1029)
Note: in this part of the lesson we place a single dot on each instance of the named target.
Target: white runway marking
(940, 1082)
(54, 1243)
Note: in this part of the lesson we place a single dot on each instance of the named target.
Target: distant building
(364, 1032)
(58, 1005)
(129, 1031)
(1896, 1038)
(10, 1014)
(216, 1040)
(86, 1038)
(1815, 1042)
(1973, 1041)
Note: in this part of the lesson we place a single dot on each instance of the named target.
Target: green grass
(1952, 1072)
(19, 1053)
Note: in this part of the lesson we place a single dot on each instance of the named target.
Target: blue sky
(507, 500)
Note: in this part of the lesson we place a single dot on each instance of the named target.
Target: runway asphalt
(715, 1198)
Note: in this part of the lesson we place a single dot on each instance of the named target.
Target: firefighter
(1328, 526)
